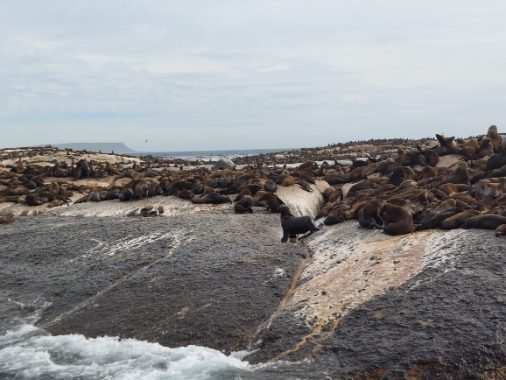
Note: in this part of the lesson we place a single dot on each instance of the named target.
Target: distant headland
(115, 147)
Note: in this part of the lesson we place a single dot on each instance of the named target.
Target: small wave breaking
(29, 352)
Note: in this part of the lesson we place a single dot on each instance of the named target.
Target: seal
(401, 174)
(295, 225)
(433, 217)
(337, 214)
(457, 220)
(486, 147)
(270, 186)
(331, 194)
(470, 149)
(487, 221)
(396, 220)
(496, 161)
(494, 137)
(447, 145)
(126, 194)
(272, 201)
(368, 215)
(212, 198)
(243, 205)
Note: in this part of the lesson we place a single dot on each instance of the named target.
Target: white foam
(28, 352)
(279, 272)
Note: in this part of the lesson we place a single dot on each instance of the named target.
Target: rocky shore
(354, 300)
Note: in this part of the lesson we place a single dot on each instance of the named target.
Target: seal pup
(295, 225)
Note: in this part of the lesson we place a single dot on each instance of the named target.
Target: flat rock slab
(206, 279)
(429, 305)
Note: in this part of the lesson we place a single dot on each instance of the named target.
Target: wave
(29, 352)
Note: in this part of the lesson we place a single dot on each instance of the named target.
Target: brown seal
(397, 220)
(401, 174)
(369, 214)
(331, 194)
(495, 140)
(433, 217)
(458, 220)
(487, 221)
(212, 198)
(243, 205)
(486, 147)
(337, 214)
(459, 175)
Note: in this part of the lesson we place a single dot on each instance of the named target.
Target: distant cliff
(96, 147)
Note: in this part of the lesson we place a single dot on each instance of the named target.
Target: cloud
(226, 74)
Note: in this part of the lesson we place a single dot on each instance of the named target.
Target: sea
(213, 155)
(29, 352)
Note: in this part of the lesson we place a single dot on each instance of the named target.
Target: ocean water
(28, 352)
(212, 155)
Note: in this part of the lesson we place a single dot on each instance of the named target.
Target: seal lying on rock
(295, 225)
(397, 220)
(486, 221)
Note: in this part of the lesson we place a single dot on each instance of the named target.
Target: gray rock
(224, 163)
(7, 218)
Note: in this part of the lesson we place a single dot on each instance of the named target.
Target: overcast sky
(226, 74)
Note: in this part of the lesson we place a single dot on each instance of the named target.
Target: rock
(224, 163)
(148, 211)
(7, 218)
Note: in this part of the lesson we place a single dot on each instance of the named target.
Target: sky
(246, 74)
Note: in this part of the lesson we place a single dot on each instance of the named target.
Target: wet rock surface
(347, 303)
(206, 279)
(446, 321)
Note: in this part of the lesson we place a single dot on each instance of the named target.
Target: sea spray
(29, 352)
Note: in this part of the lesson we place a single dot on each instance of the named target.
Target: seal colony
(399, 186)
